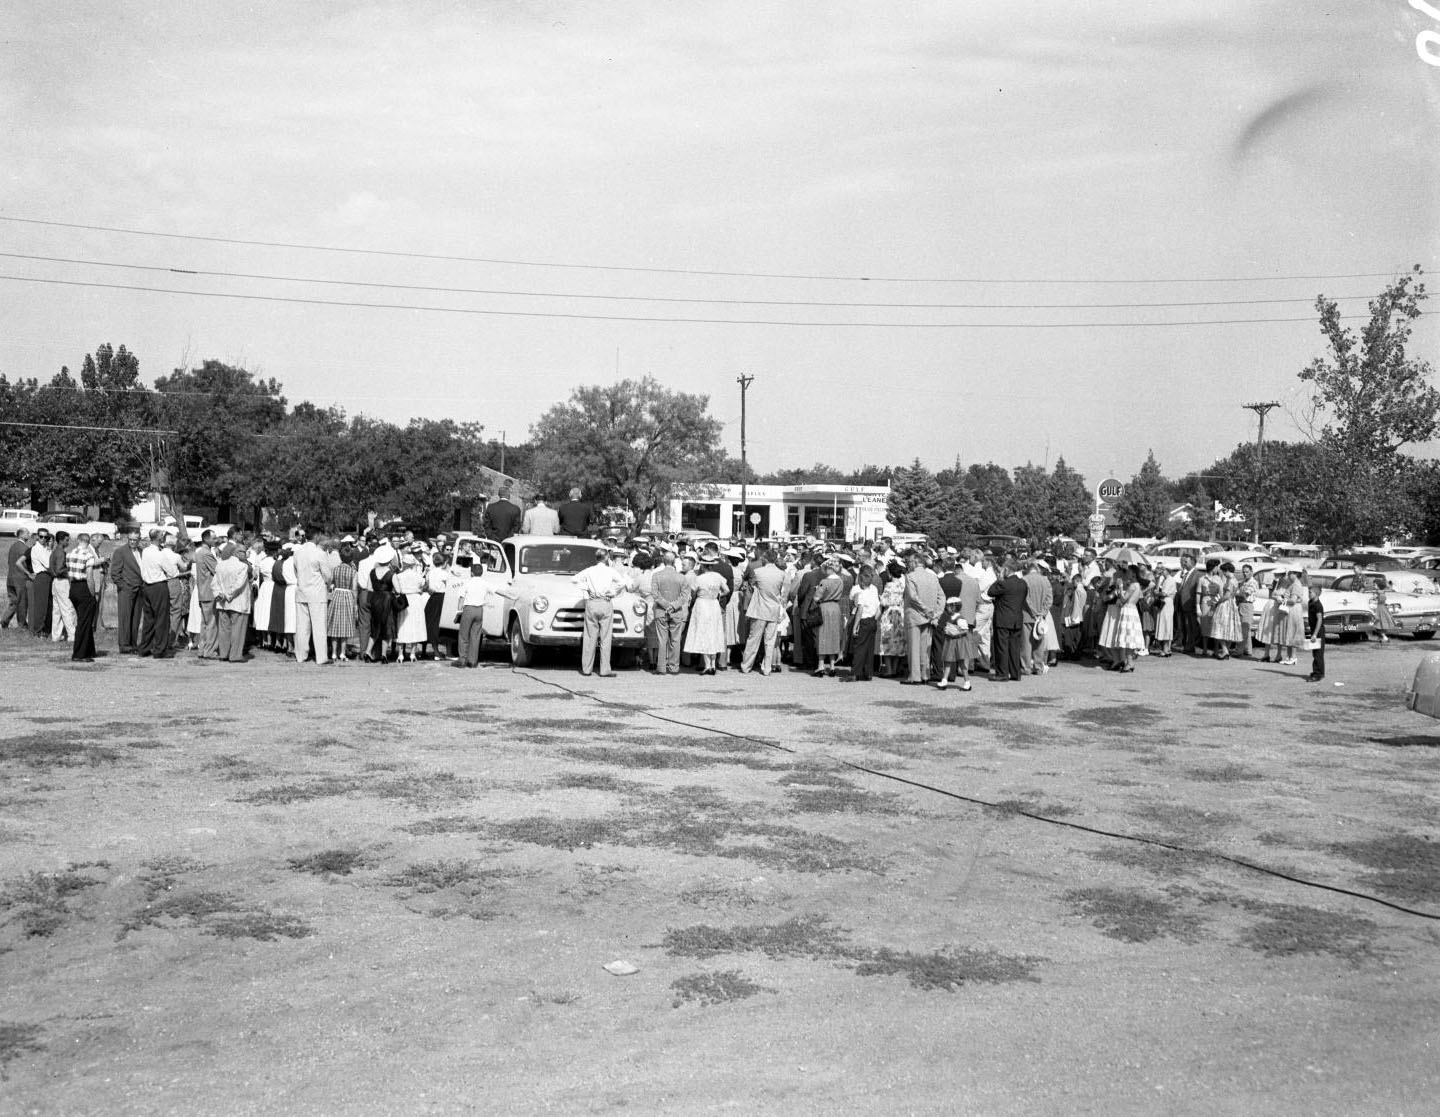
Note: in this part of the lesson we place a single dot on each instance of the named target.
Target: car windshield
(556, 558)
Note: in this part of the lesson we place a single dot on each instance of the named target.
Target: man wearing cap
(670, 595)
(576, 515)
(601, 584)
(312, 595)
(17, 582)
(231, 586)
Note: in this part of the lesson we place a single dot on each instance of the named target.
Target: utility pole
(744, 382)
(1260, 409)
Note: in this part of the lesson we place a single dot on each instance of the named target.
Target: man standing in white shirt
(232, 602)
(312, 577)
(155, 600)
(473, 592)
(977, 566)
(600, 584)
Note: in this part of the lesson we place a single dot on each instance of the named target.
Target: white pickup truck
(535, 601)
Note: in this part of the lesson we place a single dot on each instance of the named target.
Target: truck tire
(521, 653)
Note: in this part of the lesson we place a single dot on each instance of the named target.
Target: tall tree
(627, 443)
(916, 502)
(994, 492)
(1144, 506)
(1070, 501)
(1032, 502)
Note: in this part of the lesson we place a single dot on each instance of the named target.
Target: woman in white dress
(410, 624)
(262, 563)
(1122, 634)
(706, 635)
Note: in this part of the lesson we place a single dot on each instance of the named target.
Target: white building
(847, 512)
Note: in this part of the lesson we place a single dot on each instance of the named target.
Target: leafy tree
(870, 475)
(994, 492)
(916, 502)
(1144, 506)
(817, 474)
(1368, 398)
(1032, 502)
(218, 411)
(627, 443)
(959, 516)
(1070, 502)
(304, 469)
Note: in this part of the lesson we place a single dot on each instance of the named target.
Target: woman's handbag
(814, 616)
(1311, 645)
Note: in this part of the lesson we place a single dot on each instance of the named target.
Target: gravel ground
(268, 888)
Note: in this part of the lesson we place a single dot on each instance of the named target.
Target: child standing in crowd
(1315, 634)
(955, 650)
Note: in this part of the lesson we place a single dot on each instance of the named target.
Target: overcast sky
(953, 153)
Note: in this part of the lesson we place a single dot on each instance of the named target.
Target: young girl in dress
(953, 652)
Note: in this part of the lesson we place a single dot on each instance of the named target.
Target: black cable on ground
(1096, 830)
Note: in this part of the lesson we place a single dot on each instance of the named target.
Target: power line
(651, 318)
(71, 427)
(394, 253)
(510, 292)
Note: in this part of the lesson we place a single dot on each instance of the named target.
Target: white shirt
(865, 602)
(474, 592)
(600, 580)
(152, 569)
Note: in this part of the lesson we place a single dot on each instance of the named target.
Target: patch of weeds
(1407, 866)
(1227, 773)
(560, 833)
(1013, 808)
(945, 717)
(1289, 929)
(804, 936)
(1121, 717)
(318, 745)
(146, 743)
(812, 776)
(1177, 818)
(56, 749)
(597, 781)
(234, 768)
(46, 720)
(1150, 858)
(564, 997)
(715, 988)
(596, 880)
(435, 876)
(567, 725)
(1275, 838)
(1134, 916)
(446, 824)
(418, 789)
(707, 743)
(39, 903)
(17, 1040)
(213, 912)
(1408, 741)
(336, 862)
(645, 756)
(552, 696)
(718, 894)
(1222, 704)
(948, 969)
(843, 800)
(786, 708)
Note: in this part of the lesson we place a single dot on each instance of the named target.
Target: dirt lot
(263, 888)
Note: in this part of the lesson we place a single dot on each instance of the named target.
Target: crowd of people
(856, 612)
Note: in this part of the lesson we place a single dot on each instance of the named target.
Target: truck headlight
(638, 608)
(540, 604)
(537, 622)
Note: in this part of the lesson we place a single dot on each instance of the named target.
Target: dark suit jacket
(501, 519)
(1009, 594)
(125, 569)
(575, 517)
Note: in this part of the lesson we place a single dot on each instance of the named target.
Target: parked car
(1306, 555)
(75, 524)
(1367, 560)
(1168, 555)
(13, 519)
(194, 525)
(1411, 597)
(694, 537)
(995, 545)
(1243, 557)
(536, 602)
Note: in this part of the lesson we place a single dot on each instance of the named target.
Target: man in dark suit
(502, 516)
(1009, 593)
(804, 654)
(125, 575)
(576, 515)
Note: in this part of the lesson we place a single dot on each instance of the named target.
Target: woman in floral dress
(892, 622)
(1225, 628)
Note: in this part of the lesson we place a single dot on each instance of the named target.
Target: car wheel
(521, 653)
(1424, 635)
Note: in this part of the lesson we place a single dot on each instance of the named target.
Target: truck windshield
(556, 558)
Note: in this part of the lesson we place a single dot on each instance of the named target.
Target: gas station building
(844, 512)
